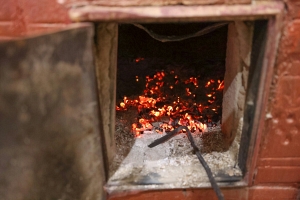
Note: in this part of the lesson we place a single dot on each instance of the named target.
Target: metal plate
(49, 141)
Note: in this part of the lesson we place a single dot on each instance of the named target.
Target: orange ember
(160, 103)
(139, 59)
(221, 86)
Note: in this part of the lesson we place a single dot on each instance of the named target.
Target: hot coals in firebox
(170, 101)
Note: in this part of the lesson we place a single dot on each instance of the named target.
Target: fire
(139, 59)
(160, 104)
(208, 83)
(221, 86)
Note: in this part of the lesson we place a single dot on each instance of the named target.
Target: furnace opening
(163, 84)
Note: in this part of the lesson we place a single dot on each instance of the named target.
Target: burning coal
(170, 101)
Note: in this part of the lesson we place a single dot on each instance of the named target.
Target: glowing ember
(221, 86)
(139, 59)
(160, 106)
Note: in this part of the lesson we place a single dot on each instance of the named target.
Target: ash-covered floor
(173, 164)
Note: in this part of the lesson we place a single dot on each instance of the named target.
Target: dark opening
(163, 85)
(189, 72)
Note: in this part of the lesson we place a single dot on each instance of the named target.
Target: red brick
(188, 194)
(44, 11)
(291, 68)
(267, 193)
(278, 175)
(294, 8)
(33, 29)
(294, 69)
(288, 95)
(6, 9)
(294, 37)
(283, 129)
(253, 193)
(289, 161)
(5, 38)
(6, 29)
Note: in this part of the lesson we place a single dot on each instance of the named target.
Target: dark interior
(203, 57)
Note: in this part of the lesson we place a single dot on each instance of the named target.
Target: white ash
(235, 146)
(172, 164)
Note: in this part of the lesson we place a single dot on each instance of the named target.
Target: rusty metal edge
(150, 14)
(64, 27)
(273, 37)
(125, 192)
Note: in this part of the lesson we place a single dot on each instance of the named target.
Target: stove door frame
(107, 19)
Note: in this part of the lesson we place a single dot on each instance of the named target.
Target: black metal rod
(196, 149)
(166, 137)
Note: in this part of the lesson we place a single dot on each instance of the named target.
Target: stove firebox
(201, 82)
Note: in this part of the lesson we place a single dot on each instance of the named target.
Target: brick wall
(279, 157)
(22, 17)
(278, 164)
